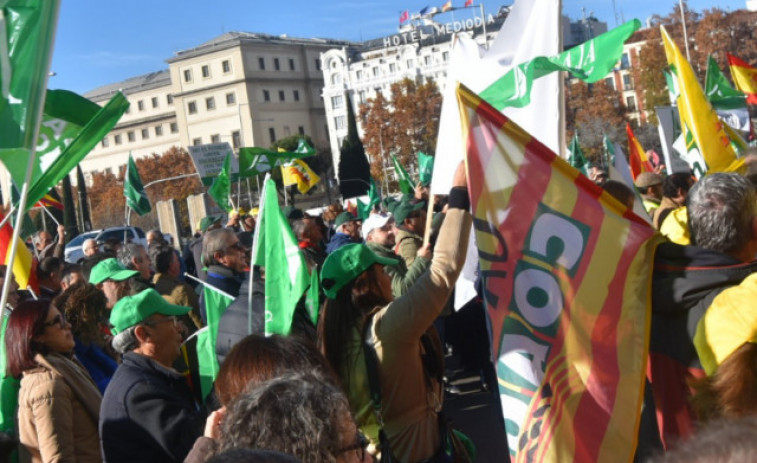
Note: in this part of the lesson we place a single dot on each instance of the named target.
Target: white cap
(375, 221)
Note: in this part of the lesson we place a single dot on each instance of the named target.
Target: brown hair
(256, 359)
(731, 392)
(85, 307)
(354, 303)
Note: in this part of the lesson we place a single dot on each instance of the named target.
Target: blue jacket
(224, 279)
(338, 240)
(100, 365)
(148, 414)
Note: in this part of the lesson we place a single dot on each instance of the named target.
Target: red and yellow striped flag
(744, 77)
(49, 201)
(24, 265)
(567, 272)
(637, 157)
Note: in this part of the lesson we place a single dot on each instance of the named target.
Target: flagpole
(50, 214)
(483, 21)
(8, 216)
(32, 143)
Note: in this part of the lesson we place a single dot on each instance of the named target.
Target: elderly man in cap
(206, 224)
(378, 230)
(649, 185)
(347, 228)
(112, 278)
(148, 412)
(410, 221)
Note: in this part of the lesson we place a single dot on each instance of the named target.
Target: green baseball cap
(347, 263)
(132, 310)
(343, 218)
(110, 269)
(405, 208)
(209, 220)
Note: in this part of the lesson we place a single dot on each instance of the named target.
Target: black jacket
(224, 279)
(148, 414)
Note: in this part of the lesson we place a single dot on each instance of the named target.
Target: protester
(224, 257)
(649, 185)
(71, 274)
(89, 247)
(310, 239)
(724, 441)
(154, 237)
(148, 412)
(194, 256)
(58, 403)
(85, 309)
(133, 256)
(675, 188)
(112, 279)
(347, 230)
(597, 174)
(360, 309)
(621, 192)
(410, 221)
(49, 277)
(167, 284)
(47, 247)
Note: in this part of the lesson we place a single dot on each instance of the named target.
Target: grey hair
(127, 252)
(89, 240)
(298, 414)
(725, 441)
(721, 207)
(213, 241)
(125, 341)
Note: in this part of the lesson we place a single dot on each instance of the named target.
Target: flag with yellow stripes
(297, 172)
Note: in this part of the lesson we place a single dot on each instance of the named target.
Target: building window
(301, 130)
(282, 97)
(392, 67)
(131, 136)
(272, 134)
(128, 109)
(337, 102)
(105, 142)
(276, 65)
(197, 141)
(158, 130)
(296, 94)
(361, 96)
(226, 66)
(336, 79)
(627, 84)
(169, 99)
(174, 127)
(375, 72)
(317, 64)
(215, 138)
(205, 71)
(291, 64)
(266, 95)
(187, 75)
(235, 139)
(118, 139)
(154, 101)
(192, 107)
(339, 122)
(624, 64)
(410, 64)
(631, 103)
(427, 60)
(210, 103)
(261, 63)
(359, 74)
(141, 105)
(445, 56)
(231, 98)
(610, 83)
(287, 131)
(145, 134)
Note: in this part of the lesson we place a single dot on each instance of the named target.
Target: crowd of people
(103, 377)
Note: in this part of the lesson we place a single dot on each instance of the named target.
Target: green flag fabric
(134, 192)
(9, 386)
(216, 303)
(286, 275)
(425, 168)
(719, 91)
(590, 62)
(221, 187)
(254, 161)
(608, 151)
(364, 209)
(72, 125)
(406, 185)
(672, 82)
(576, 157)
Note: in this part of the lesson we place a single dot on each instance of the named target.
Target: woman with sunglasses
(58, 404)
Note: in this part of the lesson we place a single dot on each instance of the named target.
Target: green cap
(343, 218)
(132, 310)
(110, 269)
(207, 221)
(347, 263)
(405, 208)
(292, 213)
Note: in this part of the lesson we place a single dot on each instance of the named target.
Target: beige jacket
(410, 405)
(58, 412)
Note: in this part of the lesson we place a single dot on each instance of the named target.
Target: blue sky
(103, 41)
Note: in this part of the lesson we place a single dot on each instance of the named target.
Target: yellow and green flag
(297, 172)
(566, 275)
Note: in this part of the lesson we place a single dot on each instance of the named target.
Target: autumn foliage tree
(403, 125)
(594, 111)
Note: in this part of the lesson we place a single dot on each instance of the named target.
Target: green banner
(134, 192)
(220, 190)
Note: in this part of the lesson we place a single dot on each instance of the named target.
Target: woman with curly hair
(84, 307)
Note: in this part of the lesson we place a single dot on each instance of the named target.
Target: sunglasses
(59, 320)
(361, 442)
(170, 318)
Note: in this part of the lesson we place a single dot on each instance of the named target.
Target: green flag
(286, 275)
(72, 125)
(590, 62)
(406, 185)
(608, 151)
(254, 161)
(221, 187)
(719, 91)
(134, 192)
(576, 157)
(364, 209)
(216, 303)
(672, 83)
(425, 168)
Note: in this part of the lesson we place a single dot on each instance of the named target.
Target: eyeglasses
(59, 320)
(361, 442)
(170, 318)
